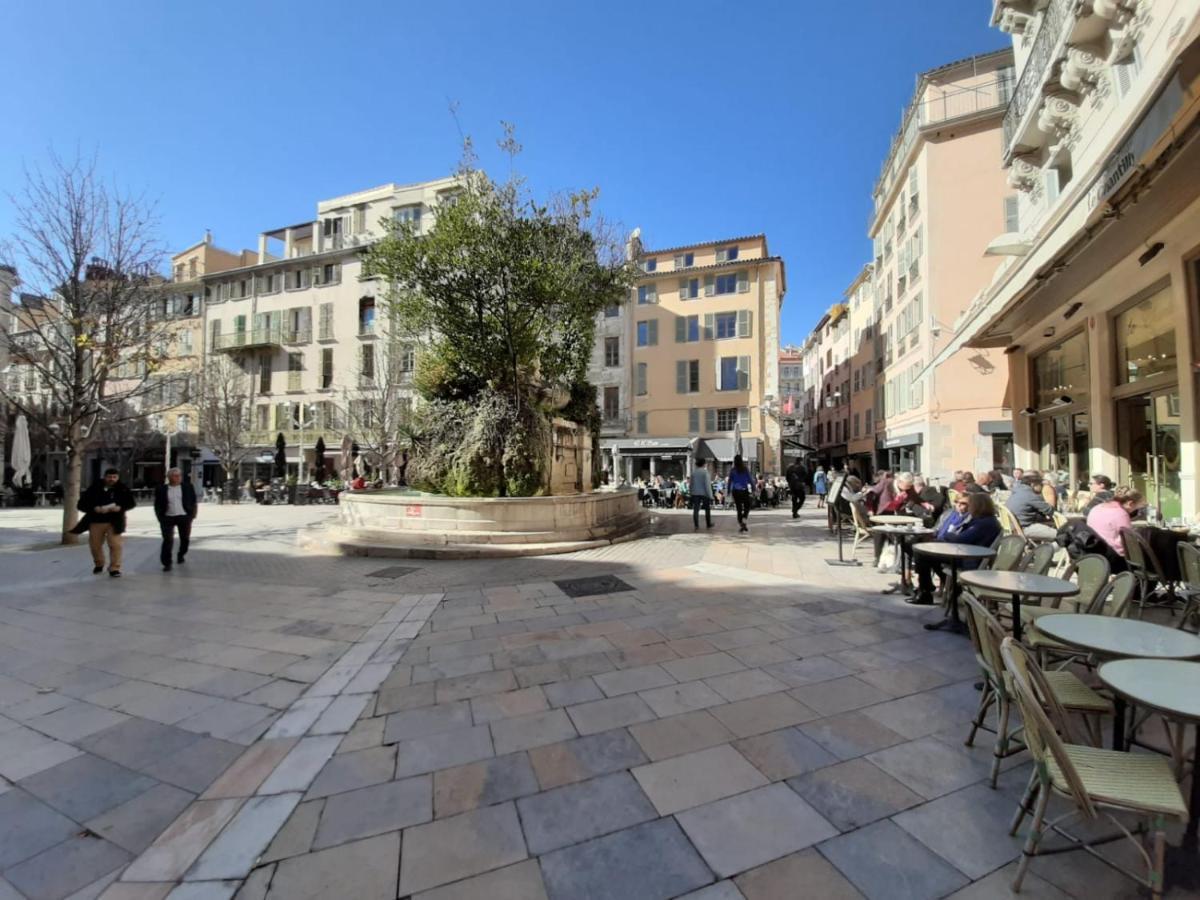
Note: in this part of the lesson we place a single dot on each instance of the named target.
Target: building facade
(694, 353)
(939, 201)
(1096, 301)
(831, 396)
(863, 315)
(308, 331)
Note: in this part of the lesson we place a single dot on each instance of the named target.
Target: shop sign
(904, 440)
(1125, 161)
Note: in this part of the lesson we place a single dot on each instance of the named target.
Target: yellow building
(693, 354)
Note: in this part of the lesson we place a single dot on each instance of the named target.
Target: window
(694, 420)
(727, 373)
(612, 404)
(685, 260)
(640, 385)
(727, 254)
(726, 325)
(689, 288)
(366, 363)
(366, 315)
(407, 361)
(326, 322)
(408, 215)
(185, 341)
(1145, 336)
(867, 421)
(643, 422)
(297, 280)
(687, 329)
(612, 311)
(192, 267)
(1062, 369)
(331, 273)
(264, 374)
(295, 370)
(647, 333)
(647, 293)
(262, 417)
(326, 368)
(612, 352)
(728, 419)
(726, 284)
(1012, 220)
(299, 325)
(650, 264)
(687, 376)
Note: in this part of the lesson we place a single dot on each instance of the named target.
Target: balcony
(266, 438)
(252, 339)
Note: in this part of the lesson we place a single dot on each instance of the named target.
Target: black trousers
(797, 501)
(741, 502)
(168, 525)
(699, 502)
(926, 568)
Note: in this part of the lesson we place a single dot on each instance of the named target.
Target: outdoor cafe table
(901, 534)
(953, 555)
(1171, 688)
(1018, 585)
(887, 519)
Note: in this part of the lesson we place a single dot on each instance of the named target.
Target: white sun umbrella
(22, 456)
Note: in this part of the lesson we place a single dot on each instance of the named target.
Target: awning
(678, 446)
(721, 449)
(902, 440)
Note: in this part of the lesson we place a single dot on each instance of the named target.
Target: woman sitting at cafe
(1111, 516)
(973, 521)
(905, 502)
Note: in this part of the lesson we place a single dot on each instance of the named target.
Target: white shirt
(175, 500)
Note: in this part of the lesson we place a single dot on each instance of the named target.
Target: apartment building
(830, 353)
(939, 202)
(309, 332)
(694, 353)
(1096, 301)
(863, 315)
(791, 404)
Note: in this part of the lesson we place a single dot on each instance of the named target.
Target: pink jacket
(1107, 520)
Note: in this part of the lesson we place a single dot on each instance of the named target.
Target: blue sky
(697, 120)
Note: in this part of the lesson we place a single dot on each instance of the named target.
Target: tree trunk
(71, 491)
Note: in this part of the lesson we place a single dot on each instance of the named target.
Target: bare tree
(96, 344)
(225, 415)
(378, 406)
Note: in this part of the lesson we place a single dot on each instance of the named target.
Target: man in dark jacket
(104, 505)
(175, 506)
(795, 481)
(1027, 506)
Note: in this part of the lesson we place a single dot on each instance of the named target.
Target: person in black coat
(104, 505)
(175, 507)
(795, 482)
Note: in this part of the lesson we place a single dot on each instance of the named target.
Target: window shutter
(260, 322)
(1011, 219)
(306, 324)
(709, 324)
(652, 294)
(683, 287)
(681, 329)
(641, 378)
(693, 420)
(710, 285)
(710, 420)
(744, 323)
(315, 275)
(743, 370)
(681, 374)
(743, 280)
(653, 329)
(744, 417)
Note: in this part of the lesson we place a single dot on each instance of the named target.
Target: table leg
(1016, 608)
(950, 620)
(1118, 738)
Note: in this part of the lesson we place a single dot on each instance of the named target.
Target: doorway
(1148, 440)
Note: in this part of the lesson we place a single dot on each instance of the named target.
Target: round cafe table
(902, 536)
(1171, 688)
(1018, 585)
(889, 519)
(953, 555)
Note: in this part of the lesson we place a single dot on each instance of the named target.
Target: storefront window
(1148, 435)
(1145, 336)
(1063, 443)
(1061, 371)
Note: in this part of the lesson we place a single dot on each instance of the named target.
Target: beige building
(863, 315)
(308, 331)
(1095, 303)
(791, 404)
(831, 349)
(940, 200)
(693, 354)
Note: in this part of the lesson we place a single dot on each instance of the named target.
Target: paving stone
(886, 863)
(839, 695)
(570, 693)
(578, 812)
(762, 714)
(491, 707)
(854, 793)
(197, 765)
(628, 681)
(76, 721)
(675, 699)
(138, 743)
(744, 685)
(524, 732)
(28, 826)
(24, 752)
(364, 870)
(174, 851)
(692, 779)
(522, 881)
(279, 693)
(909, 678)
(296, 835)
(233, 853)
(585, 757)
(134, 824)
(249, 770)
(784, 753)
(300, 767)
(722, 890)
(850, 734)
(919, 715)
(738, 833)
(968, 828)
(461, 846)
(67, 867)
(707, 666)
(299, 717)
(441, 751)
(475, 685)
(86, 786)
(375, 810)
(365, 734)
(998, 885)
(228, 719)
(404, 697)
(653, 861)
(604, 715)
(482, 784)
(680, 734)
(780, 879)
(798, 672)
(422, 722)
(340, 716)
(137, 891)
(762, 655)
(255, 887)
(350, 771)
(929, 767)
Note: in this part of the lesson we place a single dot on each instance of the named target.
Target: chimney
(208, 237)
(633, 246)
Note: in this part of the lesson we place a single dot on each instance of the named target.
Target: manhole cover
(392, 572)
(587, 587)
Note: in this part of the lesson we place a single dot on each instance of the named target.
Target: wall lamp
(1152, 251)
(1029, 412)
(1063, 400)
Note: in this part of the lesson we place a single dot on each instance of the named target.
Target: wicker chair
(1154, 588)
(1093, 780)
(1067, 690)
(1091, 573)
(1189, 569)
(1113, 599)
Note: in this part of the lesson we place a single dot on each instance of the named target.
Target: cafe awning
(721, 449)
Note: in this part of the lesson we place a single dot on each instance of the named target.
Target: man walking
(795, 483)
(700, 493)
(175, 506)
(104, 505)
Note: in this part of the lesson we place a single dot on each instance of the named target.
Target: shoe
(795, 515)
(167, 567)
(708, 525)
(920, 599)
(180, 560)
(114, 573)
(695, 528)
(96, 570)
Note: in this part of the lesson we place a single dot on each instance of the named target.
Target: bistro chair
(1091, 574)
(1095, 781)
(1040, 558)
(1153, 585)
(1010, 553)
(862, 524)
(1113, 599)
(1189, 571)
(1064, 688)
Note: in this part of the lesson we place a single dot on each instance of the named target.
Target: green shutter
(743, 323)
(744, 418)
(710, 285)
(683, 288)
(743, 281)
(710, 420)
(709, 325)
(681, 374)
(681, 329)
(743, 376)
(693, 420)
(653, 329)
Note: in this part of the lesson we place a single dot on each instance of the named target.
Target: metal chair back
(1115, 597)
(1091, 573)
(1189, 564)
(1009, 550)
(1039, 560)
